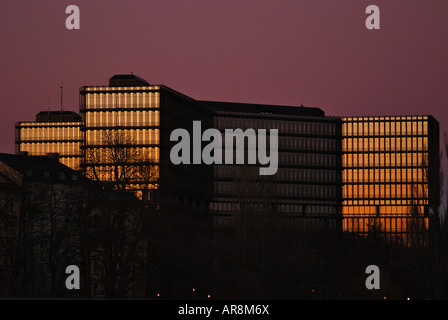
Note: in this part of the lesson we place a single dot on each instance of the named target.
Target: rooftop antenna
(62, 95)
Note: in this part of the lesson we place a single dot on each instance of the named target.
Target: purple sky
(264, 51)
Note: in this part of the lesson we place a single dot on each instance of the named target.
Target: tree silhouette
(121, 164)
(127, 174)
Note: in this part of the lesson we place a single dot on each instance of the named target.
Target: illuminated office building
(56, 132)
(121, 127)
(390, 174)
(305, 191)
(127, 127)
(358, 174)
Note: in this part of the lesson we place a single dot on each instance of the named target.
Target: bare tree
(48, 242)
(9, 241)
(121, 218)
(436, 258)
(84, 229)
(255, 216)
(374, 225)
(427, 239)
(417, 219)
(120, 163)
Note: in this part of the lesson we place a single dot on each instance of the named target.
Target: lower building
(52, 132)
(39, 199)
(51, 217)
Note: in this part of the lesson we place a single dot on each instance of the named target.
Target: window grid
(385, 172)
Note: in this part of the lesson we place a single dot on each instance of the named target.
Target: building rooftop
(127, 80)
(218, 106)
(58, 116)
(39, 167)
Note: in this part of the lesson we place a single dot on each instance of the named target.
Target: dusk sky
(286, 52)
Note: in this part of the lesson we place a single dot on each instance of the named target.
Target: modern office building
(390, 174)
(306, 188)
(379, 173)
(125, 139)
(127, 126)
(57, 132)
(122, 128)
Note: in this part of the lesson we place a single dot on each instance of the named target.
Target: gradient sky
(318, 52)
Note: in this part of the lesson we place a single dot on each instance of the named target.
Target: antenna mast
(62, 94)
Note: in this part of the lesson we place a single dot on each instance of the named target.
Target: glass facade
(122, 139)
(307, 186)
(122, 135)
(42, 138)
(358, 174)
(390, 174)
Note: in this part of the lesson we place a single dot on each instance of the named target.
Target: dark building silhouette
(52, 217)
(58, 116)
(38, 202)
(306, 189)
(127, 80)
